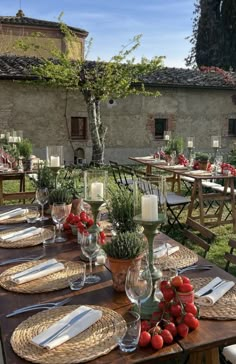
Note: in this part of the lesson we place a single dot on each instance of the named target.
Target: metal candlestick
(148, 307)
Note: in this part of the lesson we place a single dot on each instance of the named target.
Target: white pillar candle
(167, 137)
(96, 191)
(10, 139)
(149, 208)
(190, 144)
(54, 161)
(215, 143)
(2, 136)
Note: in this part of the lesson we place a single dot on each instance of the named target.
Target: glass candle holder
(95, 185)
(55, 155)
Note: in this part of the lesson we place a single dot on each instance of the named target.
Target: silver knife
(36, 271)
(216, 286)
(64, 328)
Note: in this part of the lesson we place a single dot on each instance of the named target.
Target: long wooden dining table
(202, 342)
(198, 196)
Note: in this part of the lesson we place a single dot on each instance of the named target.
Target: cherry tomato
(144, 339)
(177, 281)
(185, 279)
(163, 284)
(175, 310)
(157, 342)
(70, 218)
(162, 305)
(168, 293)
(145, 325)
(190, 307)
(167, 336)
(172, 328)
(191, 321)
(182, 330)
(66, 226)
(185, 287)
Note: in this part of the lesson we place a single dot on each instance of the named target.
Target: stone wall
(40, 113)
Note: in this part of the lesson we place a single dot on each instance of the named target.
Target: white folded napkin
(13, 213)
(214, 296)
(165, 249)
(38, 271)
(21, 234)
(79, 326)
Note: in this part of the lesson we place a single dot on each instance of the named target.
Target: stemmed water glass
(58, 215)
(42, 195)
(138, 284)
(90, 249)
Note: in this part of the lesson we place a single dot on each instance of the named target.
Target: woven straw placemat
(15, 219)
(99, 339)
(223, 309)
(30, 241)
(180, 259)
(51, 282)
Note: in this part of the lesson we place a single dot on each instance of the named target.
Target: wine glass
(138, 284)
(42, 195)
(58, 215)
(90, 249)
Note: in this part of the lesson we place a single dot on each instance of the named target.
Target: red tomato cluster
(229, 168)
(182, 160)
(172, 318)
(83, 223)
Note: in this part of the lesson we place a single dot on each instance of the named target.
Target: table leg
(193, 197)
(233, 204)
(1, 192)
(200, 198)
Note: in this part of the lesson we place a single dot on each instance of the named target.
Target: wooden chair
(200, 235)
(230, 257)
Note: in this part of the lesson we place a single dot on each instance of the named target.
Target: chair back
(199, 234)
(230, 257)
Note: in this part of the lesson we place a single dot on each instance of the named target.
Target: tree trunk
(97, 131)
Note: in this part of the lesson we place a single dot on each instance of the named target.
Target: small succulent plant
(60, 195)
(125, 245)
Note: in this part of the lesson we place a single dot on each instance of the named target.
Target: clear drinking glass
(90, 249)
(128, 339)
(42, 195)
(32, 214)
(58, 215)
(76, 275)
(138, 284)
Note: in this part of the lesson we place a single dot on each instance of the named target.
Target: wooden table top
(210, 334)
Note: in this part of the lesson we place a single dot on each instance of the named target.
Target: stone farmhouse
(192, 103)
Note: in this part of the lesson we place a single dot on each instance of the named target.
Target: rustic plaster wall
(40, 113)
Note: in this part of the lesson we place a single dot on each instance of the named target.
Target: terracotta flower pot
(203, 165)
(119, 268)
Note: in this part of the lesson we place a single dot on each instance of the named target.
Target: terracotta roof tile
(18, 20)
(15, 67)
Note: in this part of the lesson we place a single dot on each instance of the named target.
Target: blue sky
(164, 24)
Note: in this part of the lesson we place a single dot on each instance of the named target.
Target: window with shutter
(78, 127)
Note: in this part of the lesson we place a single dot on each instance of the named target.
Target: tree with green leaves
(214, 34)
(98, 81)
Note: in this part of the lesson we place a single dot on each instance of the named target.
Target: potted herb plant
(123, 249)
(202, 159)
(120, 208)
(25, 150)
(61, 195)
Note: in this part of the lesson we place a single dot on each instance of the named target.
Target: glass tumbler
(76, 275)
(128, 342)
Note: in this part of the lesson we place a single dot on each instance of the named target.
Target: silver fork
(22, 259)
(46, 305)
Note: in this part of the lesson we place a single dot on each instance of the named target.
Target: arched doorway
(79, 156)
